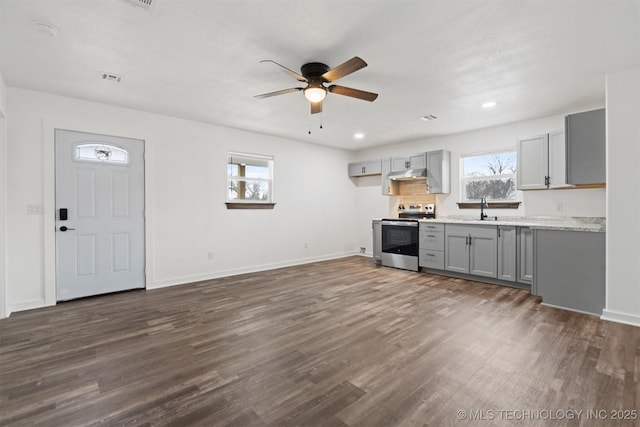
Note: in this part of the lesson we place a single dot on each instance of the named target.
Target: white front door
(99, 214)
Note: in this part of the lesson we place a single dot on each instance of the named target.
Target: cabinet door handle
(430, 235)
(498, 231)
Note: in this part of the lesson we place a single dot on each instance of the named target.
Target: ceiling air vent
(111, 77)
(428, 117)
(145, 4)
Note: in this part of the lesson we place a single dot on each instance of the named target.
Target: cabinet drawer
(431, 259)
(431, 240)
(429, 226)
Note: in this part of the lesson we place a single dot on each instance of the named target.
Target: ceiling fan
(316, 74)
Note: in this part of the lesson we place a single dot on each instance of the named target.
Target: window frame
(508, 203)
(243, 159)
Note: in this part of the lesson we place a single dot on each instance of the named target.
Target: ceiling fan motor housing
(314, 69)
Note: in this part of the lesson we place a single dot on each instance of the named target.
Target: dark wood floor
(336, 343)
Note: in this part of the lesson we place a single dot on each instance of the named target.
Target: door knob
(65, 228)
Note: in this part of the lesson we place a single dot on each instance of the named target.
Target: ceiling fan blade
(353, 93)
(284, 69)
(279, 92)
(344, 69)
(316, 107)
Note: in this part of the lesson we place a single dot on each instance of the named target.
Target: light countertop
(541, 223)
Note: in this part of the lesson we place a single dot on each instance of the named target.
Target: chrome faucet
(483, 205)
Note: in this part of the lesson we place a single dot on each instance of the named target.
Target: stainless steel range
(400, 243)
(427, 211)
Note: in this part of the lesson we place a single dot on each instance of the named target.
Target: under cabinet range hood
(408, 174)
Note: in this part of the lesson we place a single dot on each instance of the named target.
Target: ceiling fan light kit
(315, 92)
(315, 74)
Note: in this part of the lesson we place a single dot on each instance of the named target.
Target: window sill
(492, 205)
(249, 205)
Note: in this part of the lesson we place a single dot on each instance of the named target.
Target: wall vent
(111, 77)
(145, 4)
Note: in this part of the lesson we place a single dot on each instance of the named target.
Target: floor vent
(146, 4)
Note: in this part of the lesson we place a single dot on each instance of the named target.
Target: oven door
(400, 237)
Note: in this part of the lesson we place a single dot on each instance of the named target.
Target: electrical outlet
(210, 256)
(362, 249)
(559, 207)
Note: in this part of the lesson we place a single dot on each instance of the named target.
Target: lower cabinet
(515, 254)
(570, 269)
(377, 240)
(507, 253)
(431, 244)
(471, 249)
(525, 255)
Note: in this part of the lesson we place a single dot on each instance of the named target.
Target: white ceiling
(199, 60)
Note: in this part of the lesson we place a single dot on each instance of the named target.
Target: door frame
(49, 193)
(4, 311)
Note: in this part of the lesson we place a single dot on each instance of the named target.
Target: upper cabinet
(557, 171)
(574, 156)
(541, 162)
(369, 167)
(586, 136)
(533, 163)
(388, 188)
(439, 171)
(417, 161)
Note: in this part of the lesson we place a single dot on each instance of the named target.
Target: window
(490, 175)
(94, 152)
(249, 179)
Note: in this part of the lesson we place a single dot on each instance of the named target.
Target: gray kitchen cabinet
(507, 253)
(389, 186)
(417, 161)
(533, 160)
(586, 146)
(471, 249)
(541, 162)
(369, 167)
(431, 245)
(525, 255)
(570, 269)
(439, 171)
(377, 240)
(557, 169)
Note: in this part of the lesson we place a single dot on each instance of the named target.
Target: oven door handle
(400, 223)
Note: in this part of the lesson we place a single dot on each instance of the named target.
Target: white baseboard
(626, 318)
(25, 305)
(234, 272)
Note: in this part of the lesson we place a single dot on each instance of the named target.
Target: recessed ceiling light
(46, 30)
(489, 104)
(428, 117)
(358, 135)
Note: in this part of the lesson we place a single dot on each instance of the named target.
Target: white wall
(186, 189)
(582, 202)
(623, 197)
(3, 139)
